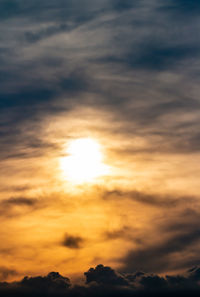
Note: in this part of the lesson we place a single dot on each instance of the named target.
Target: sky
(125, 75)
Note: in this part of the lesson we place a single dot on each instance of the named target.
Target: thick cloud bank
(104, 281)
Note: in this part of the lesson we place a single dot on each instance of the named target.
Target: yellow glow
(84, 161)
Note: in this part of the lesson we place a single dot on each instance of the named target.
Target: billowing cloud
(104, 281)
(53, 281)
(104, 275)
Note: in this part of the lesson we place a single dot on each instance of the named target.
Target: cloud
(156, 200)
(119, 233)
(73, 242)
(104, 281)
(6, 273)
(180, 237)
(53, 281)
(157, 56)
(19, 201)
(121, 5)
(135, 61)
(154, 281)
(188, 7)
(16, 206)
(46, 9)
(104, 275)
(53, 70)
(45, 33)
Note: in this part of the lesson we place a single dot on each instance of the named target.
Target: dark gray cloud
(53, 281)
(19, 201)
(188, 7)
(180, 236)
(23, 204)
(123, 232)
(31, 36)
(104, 275)
(135, 40)
(104, 281)
(46, 9)
(73, 242)
(121, 5)
(170, 241)
(155, 56)
(156, 200)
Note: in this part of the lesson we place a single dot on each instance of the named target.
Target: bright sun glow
(84, 161)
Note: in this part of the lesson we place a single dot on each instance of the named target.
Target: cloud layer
(104, 281)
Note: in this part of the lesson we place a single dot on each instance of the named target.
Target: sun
(84, 161)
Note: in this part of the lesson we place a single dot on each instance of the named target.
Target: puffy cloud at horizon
(104, 281)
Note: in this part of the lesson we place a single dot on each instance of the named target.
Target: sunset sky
(99, 136)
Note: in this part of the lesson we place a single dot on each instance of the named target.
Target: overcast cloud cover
(138, 59)
(127, 71)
